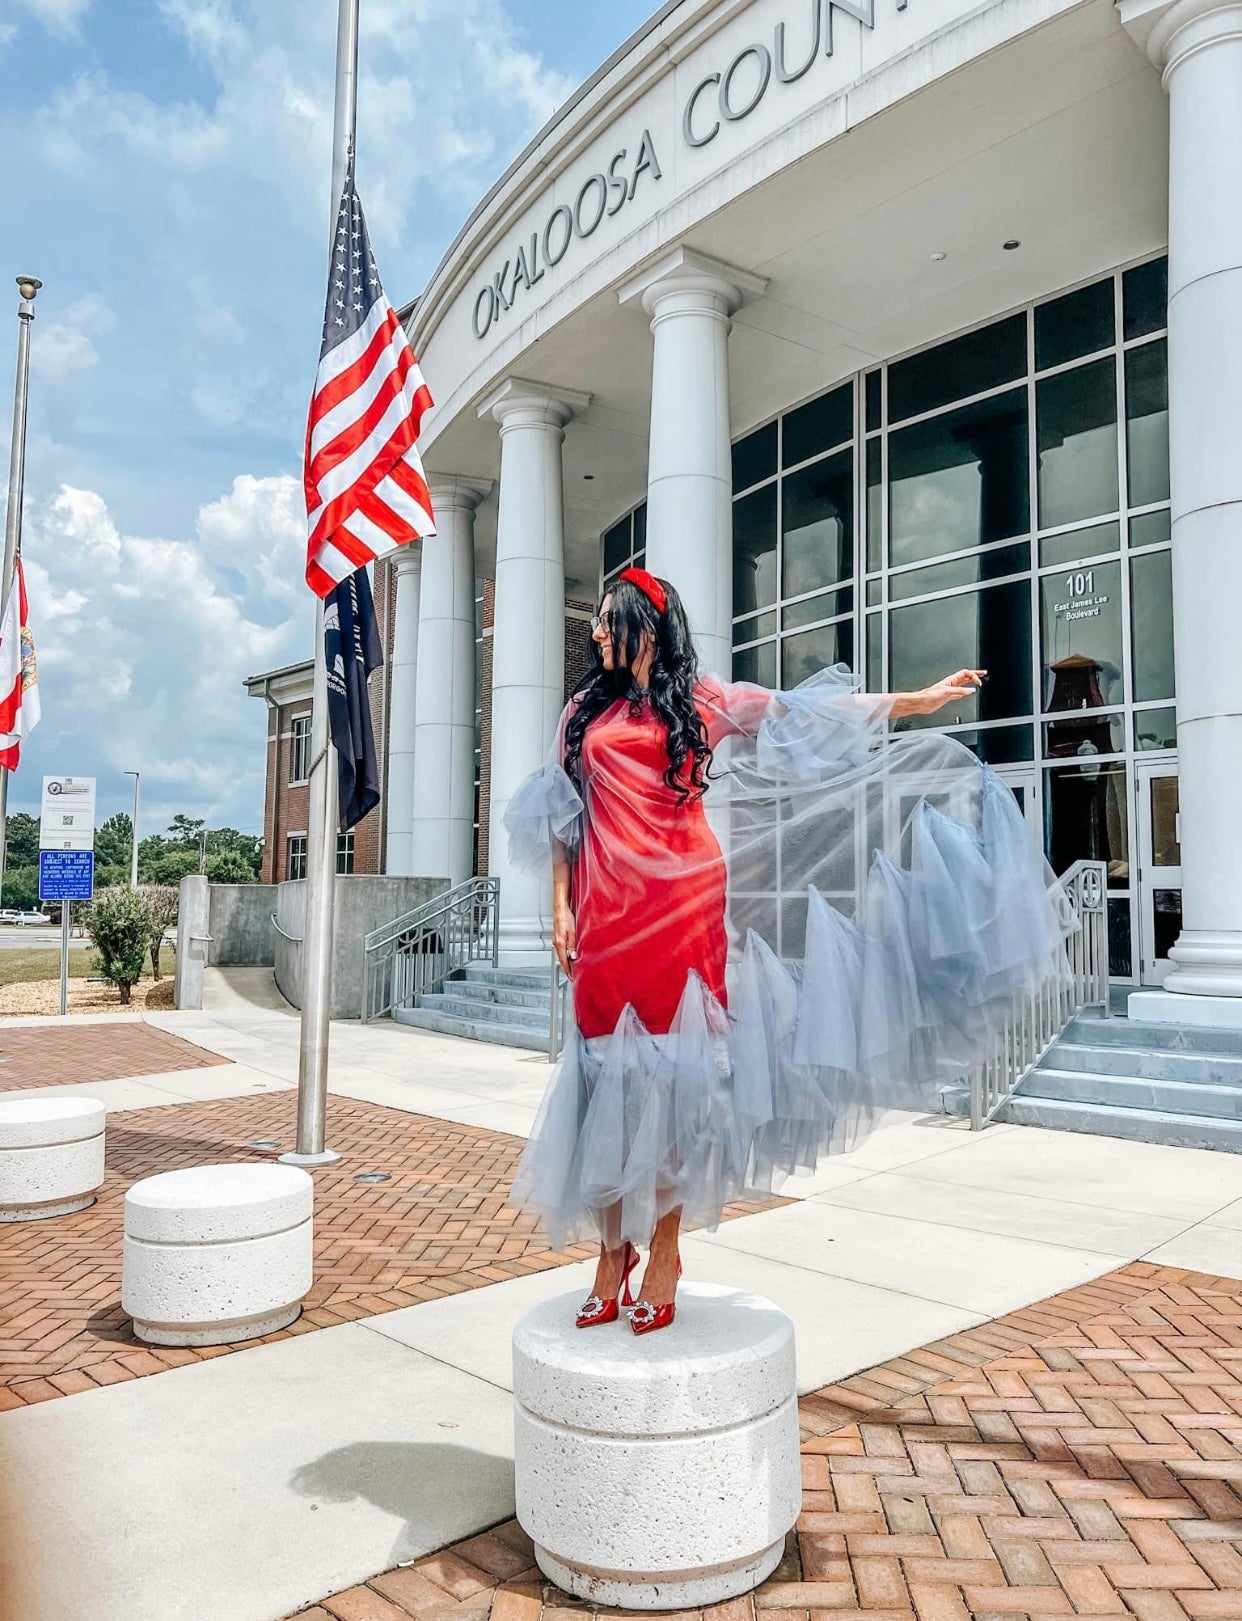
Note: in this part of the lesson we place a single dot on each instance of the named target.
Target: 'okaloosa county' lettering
(600, 196)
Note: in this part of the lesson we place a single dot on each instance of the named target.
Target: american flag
(365, 489)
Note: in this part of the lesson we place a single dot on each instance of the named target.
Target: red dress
(648, 881)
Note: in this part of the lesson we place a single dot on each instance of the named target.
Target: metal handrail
(1080, 979)
(293, 939)
(412, 957)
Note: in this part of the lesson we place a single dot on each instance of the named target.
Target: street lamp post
(133, 854)
(27, 286)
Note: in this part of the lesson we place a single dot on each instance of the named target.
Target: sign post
(67, 855)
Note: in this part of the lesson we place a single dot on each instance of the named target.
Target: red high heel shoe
(596, 1310)
(646, 1318)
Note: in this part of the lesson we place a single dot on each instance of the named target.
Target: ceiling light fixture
(939, 257)
(1012, 243)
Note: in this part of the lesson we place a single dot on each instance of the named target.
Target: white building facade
(906, 333)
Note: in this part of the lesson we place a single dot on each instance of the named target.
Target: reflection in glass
(1147, 423)
(1151, 528)
(754, 551)
(1166, 846)
(1120, 956)
(1145, 299)
(955, 370)
(1077, 545)
(810, 651)
(819, 425)
(757, 664)
(1078, 324)
(1077, 438)
(874, 380)
(875, 506)
(875, 593)
(617, 547)
(1000, 745)
(754, 458)
(1151, 610)
(752, 629)
(959, 480)
(1086, 818)
(1167, 918)
(1085, 735)
(875, 653)
(988, 630)
(640, 530)
(1155, 729)
(812, 609)
(977, 569)
(819, 525)
(1080, 617)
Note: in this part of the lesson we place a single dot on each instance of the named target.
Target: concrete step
(499, 1035)
(1100, 1120)
(519, 979)
(505, 995)
(1089, 1030)
(483, 1012)
(1211, 1100)
(1145, 1063)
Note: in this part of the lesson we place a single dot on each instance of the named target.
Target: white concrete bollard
(217, 1253)
(51, 1156)
(662, 1471)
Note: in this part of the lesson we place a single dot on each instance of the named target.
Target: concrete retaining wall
(240, 925)
(362, 904)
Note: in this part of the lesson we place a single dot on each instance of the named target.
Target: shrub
(164, 901)
(120, 924)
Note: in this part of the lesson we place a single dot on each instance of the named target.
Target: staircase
(482, 1003)
(1153, 1083)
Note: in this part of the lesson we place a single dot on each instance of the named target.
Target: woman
(888, 905)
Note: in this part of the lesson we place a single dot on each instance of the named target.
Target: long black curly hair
(674, 667)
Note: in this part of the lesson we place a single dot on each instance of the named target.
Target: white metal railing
(556, 1011)
(1080, 982)
(414, 955)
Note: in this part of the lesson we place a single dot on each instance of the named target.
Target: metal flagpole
(133, 842)
(28, 286)
(322, 817)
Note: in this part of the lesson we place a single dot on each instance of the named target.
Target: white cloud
(60, 17)
(63, 348)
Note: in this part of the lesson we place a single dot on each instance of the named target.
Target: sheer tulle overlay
(839, 929)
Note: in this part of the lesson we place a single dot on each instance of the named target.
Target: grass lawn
(43, 962)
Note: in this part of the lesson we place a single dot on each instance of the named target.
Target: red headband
(648, 585)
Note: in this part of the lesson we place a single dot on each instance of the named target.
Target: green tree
(120, 922)
(113, 842)
(230, 867)
(163, 899)
(186, 829)
(21, 888)
(22, 840)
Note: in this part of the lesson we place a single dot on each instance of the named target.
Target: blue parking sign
(66, 875)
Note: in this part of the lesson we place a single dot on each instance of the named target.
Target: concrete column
(399, 860)
(443, 830)
(691, 301)
(528, 647)
(1198, 46)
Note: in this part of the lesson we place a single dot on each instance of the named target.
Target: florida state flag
(19, 673)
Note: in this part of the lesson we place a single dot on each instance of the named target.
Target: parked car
(21, 920)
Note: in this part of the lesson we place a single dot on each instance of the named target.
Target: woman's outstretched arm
(961, 684)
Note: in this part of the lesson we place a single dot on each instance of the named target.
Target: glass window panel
(875, 593)
(1079, 324)
(874, 417)
(875, 506)
(754, 458)
(810, 651)
(1151, 634)
(640, 528)
(1086, 819)
(987, 630)
(1155, 729)
(957, 369)
(757, 664)
(1166, 919)
(793, 928)
(812, 609)
(977, 569)
(1147, 423)
(757, 913)
(1166, 847)
(875, 653)
(1000, 745)
(617, 547)
(752, 629)
(754, 551)
(819, 525)
(1085, 734)
(1077, 431)
(1081, 631)
(1145, 299)
(640, 559)
(1120, 956)
(818, 426)
(753, 850)
(1151, 528)
(959, 480)
(1077, 545)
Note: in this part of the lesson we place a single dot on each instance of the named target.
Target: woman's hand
(565, 937)
(953, 688)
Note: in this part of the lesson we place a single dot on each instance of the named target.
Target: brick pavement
(1082, 1457)
(440, 1225)
(64, 1054)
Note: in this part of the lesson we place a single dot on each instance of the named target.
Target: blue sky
(167, 172)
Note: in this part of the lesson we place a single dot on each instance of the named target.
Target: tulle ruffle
(545, 810)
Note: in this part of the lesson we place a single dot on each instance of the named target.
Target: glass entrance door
(1160, 867)
(1021, 782)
